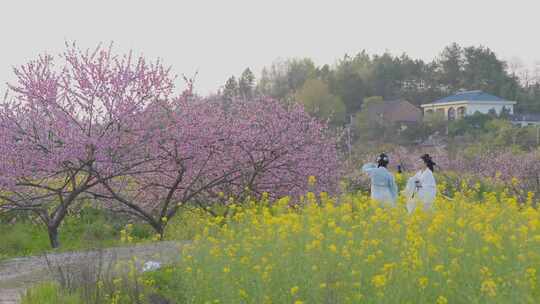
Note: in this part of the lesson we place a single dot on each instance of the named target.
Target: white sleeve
(410, 187)
(428, 179)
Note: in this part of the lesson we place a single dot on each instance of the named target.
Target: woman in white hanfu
(421, 189)
(383, 186)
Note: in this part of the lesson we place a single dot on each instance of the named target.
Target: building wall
(523, 123)
(471, 109)
(460, 110)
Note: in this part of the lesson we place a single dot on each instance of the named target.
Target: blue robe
(383, 185)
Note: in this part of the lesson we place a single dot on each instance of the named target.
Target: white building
(467, 103)
(525, 120)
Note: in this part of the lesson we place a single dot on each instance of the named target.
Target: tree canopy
(354, 77)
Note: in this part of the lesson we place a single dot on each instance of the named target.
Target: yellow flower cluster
(348, 250)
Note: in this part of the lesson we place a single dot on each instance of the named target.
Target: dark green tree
(505, 113)
(230, 90)
(246, 84)
(484, 71)
(349, 85)
(450, 65)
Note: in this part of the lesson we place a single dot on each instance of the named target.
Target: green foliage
(49, 293)
(231, 88)
(473, 124)
(283, 78)
(246, 84)
(529, 98)
(372, 101)
(348, 83)
(356, 77)
(161, 282)
(89, 228)
(413, 133)
(318, 101)
(188, 222)
(484, 71)
(450, 64)
(22, 238)
(121, 287)
(367, 128)
(492, 133)
(435, 122)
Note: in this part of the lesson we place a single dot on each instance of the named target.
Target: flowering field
(465, 252)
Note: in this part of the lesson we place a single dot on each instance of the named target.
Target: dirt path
(19, 273)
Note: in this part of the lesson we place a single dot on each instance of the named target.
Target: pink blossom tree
(190, 157)
(73, 123)
(96, 125)
(280, 148)
(206, 153)
(519, 172)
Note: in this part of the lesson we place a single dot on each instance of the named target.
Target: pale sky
(222, 37)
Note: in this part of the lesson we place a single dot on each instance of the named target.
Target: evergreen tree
(246, 84)
(230, 90)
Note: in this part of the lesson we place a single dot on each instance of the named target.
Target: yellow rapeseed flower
(332, 248)
(489, 287)
(379, 281)
(243, 294)
(441, 300)
(356, 234)
(423, 282)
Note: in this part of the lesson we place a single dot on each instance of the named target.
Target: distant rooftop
(469, 96)
(395, 110)
(385, 105)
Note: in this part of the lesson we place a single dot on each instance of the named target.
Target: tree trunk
(161, 233)
(53, 236)
(159, 228)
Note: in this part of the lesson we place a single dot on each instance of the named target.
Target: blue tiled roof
(469, 96)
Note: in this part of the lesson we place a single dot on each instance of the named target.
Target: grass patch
(49, 293)
(91, 228)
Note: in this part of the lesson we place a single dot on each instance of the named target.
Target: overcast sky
(222, 37)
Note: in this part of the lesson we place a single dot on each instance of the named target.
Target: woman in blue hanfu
(421, 189)
(383, 186)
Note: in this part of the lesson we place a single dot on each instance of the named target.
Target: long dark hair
(382, 160)
(428, 161)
